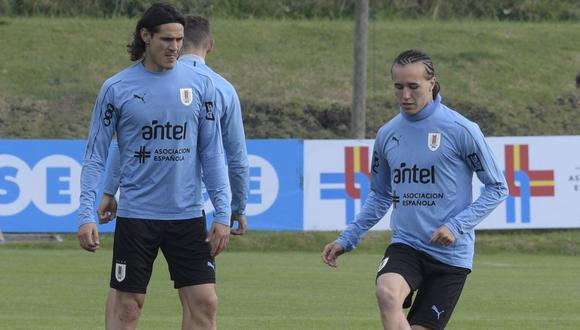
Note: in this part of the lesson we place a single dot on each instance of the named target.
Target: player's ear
(210, 45)
(432, 83)
(145, 35)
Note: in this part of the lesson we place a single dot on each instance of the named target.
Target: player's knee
(387, 298)
(129, 311)
(203, 311)
(209, 304)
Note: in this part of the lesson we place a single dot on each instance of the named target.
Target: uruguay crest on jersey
(433, 141)
(186, 95)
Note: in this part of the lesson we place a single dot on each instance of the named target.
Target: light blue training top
(167, 133)
(229, 112)
(423, 166)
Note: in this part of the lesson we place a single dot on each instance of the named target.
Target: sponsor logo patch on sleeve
(375, 162)
(108, 115)
(475, 162)
(209, 114)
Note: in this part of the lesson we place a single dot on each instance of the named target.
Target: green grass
(556, 242)
(514, 78)
(59, 286)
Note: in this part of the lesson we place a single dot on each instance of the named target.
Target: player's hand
(88, 236)
(242, 224)
(330, 253)
(107, 210)
(218, 236)
(443, 236)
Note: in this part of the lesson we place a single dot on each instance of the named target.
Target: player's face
(163, 46)
(412, 89)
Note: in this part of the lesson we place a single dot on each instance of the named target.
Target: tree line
(510, 10)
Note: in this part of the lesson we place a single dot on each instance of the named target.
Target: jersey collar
(427, 111)
(192, 58)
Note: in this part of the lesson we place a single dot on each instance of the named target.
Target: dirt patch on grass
(66, 118)
(69, 116)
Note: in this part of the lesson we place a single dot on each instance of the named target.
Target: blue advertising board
(275, 197)
(40, 185)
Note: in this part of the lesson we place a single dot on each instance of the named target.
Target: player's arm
(234, 141)
(377, 203)
(376, 206)
(211, 155)
(478, 156)
(101, 131)
(113, 170)
(107, 209)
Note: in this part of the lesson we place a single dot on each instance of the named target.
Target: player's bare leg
(199, 304)
(126, 309)
(392, 289)
(110, 309)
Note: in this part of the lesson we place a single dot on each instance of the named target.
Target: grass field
(59, 286)
(294, 77)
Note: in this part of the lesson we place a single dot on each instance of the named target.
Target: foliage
(516, 10)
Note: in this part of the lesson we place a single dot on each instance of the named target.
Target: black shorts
(182, 242)
(438, 285)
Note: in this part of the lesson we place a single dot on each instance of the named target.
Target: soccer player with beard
(162, 113)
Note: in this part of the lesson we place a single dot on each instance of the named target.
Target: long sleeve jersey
(228, 110)
(423, 166)
(167, 133)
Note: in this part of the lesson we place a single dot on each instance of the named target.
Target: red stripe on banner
(542, 191)
(509, 171)
(544, 175)
(364, 161)
(349, 173)
(524, 158)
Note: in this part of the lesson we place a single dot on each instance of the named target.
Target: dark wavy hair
(412, 56)
(157, 14)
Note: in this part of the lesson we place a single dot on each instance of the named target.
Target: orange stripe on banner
(541, 183)
(516, 157)
(356, 159)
